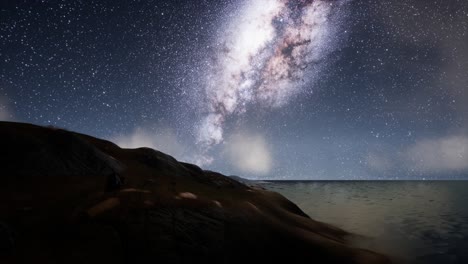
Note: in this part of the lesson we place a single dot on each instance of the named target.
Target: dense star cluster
(267, 53)
(272, 89)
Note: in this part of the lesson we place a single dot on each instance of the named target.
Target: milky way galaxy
(277, 89)
(267, 52)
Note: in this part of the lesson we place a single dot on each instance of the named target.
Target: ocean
(411, 221)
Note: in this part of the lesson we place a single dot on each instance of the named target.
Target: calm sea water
(414, 222)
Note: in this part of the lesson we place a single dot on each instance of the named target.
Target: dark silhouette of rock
(239, 179)
(7, 242)
(63, 200)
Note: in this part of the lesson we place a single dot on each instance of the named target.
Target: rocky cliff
(71, 198)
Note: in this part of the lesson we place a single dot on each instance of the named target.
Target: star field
(389, 100)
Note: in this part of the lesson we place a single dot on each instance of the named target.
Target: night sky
(267, 89)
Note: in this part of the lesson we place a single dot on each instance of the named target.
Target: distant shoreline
(385, 180)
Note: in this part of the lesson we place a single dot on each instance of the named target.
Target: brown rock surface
(71, 198)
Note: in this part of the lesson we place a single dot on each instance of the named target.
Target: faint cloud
(446, 154)
(164, 140)
(379, 162)
(249, 153)
(5, 113)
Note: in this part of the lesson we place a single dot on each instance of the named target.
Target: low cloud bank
(164, 140)
(447, 154)
(249, 153)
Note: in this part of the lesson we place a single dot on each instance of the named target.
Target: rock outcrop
(71, 198)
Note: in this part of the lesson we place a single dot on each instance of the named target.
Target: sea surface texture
(413, 222)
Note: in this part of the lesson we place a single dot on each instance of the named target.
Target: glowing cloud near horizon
(267, 53)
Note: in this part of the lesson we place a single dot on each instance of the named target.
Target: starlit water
(411, 221)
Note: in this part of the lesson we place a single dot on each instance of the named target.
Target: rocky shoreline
(71, 198)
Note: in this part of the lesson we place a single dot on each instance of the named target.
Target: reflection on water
(416, 222)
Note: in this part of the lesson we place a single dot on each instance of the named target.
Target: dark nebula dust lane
(268, 51)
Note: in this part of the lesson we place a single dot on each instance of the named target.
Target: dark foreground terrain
(71, 198)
